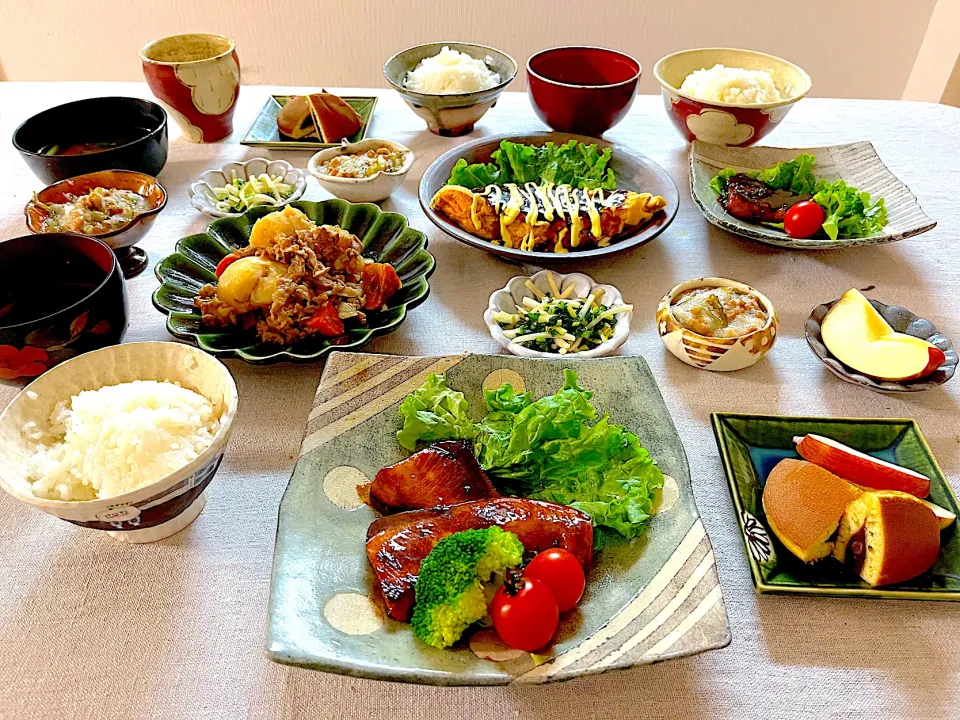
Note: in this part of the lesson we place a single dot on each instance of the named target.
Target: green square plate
(264, 133)
(653, 599)
(750, 445)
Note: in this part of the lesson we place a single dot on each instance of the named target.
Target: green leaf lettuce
(583, 166)
(551, 449)
(434, 412)
(849, 211)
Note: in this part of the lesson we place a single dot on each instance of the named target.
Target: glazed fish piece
(547, 217)
(445, 473)
(753, 200)
(397, 544)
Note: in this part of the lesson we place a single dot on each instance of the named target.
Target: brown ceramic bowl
(151, 512)
(132, 260)
(583, 90)
(454, 114)
(721, 354)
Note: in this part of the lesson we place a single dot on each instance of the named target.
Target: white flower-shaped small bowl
(507, 298)
(375, 188)
(204, 199)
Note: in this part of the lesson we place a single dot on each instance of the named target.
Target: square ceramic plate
(654, 599)
(264, 133)
(750, 445)
(856, 163)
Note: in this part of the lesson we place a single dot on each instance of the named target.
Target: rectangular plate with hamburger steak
(264, 132)
(750, 446)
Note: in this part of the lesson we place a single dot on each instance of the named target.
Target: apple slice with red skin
(858, 336)
(944, 516)
(859, 468)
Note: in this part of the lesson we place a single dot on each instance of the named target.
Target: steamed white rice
(449, 72)
(732, 85)
(102, 443)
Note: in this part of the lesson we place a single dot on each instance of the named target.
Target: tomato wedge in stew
(380, 282)
(326, 321)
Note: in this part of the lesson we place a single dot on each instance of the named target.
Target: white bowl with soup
(717, 324)
(366, 171)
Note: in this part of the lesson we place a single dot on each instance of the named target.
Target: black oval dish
(95, 120)
(61, 295)
(901, 320)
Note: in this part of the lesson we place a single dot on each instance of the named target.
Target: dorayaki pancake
(804, 504)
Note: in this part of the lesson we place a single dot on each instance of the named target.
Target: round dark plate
(901, 320)
(634, 172)
(386, 237)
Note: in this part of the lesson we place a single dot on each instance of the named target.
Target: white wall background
(851, 48)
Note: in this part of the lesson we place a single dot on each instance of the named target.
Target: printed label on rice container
(119, 514)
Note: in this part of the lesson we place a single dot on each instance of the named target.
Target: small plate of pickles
(237, 187)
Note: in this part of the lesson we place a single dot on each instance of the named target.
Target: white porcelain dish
(507, 298)
(154, 511)
(375, 188)
(204, 199)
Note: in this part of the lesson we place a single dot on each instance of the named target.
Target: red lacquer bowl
(583, 90)
(63, 295)
(720, 123)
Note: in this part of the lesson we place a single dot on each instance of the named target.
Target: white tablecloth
(95, 628)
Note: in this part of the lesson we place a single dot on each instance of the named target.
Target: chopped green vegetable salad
(573, 163)
(556, 322)
(850, 212)
(551, 449)
(239, 195)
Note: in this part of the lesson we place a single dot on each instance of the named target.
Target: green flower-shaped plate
(386, 237)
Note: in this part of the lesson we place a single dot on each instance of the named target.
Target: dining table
(91, 627)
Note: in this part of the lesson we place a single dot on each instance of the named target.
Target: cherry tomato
(560, 571)
(525, 616)
(326, 321)
(804, 219)
(379, 283)
(227, 261)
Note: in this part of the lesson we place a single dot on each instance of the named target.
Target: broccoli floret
(449, 589)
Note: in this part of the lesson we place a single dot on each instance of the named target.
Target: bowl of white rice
(450, 84)
(726, 96)
(124, 439)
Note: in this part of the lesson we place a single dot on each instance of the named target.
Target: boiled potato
(283, 222)
(250, 282)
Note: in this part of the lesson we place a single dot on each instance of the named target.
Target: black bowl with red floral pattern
(61, 294)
